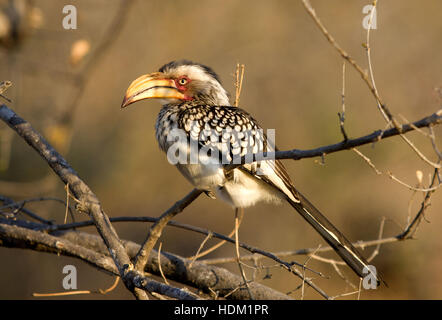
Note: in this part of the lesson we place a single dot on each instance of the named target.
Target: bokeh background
(69, 84)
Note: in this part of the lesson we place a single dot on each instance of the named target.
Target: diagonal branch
(89, 202)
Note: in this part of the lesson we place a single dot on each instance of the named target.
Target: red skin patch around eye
(183, 88)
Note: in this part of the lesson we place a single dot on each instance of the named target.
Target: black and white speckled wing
(228, 133)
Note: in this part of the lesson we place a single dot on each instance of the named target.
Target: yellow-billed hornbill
(195, 102)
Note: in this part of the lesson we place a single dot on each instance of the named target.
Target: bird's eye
(182, 81)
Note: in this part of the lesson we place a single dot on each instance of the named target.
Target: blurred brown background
(292, 83)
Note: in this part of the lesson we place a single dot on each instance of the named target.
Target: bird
(202, 133)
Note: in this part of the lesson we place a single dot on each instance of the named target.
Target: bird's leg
(239, 212)
(210, 194)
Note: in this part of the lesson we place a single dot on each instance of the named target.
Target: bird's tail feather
(333, 237)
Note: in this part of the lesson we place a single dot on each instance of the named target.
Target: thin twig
(378, 246)
(159, 264)
(219, 244)
(303, 272)
(390, 174)
(347, 57)
(342, 115)
(238, 256)
(27, 212)
(238, 82)
(367, 159)
(75, 292)
(197, 254)
(370, 66)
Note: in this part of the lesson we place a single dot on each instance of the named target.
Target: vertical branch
(238, 82)
(238, 257)
(370, 66)
(342, 115)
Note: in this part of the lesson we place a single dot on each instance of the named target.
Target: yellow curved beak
(151, 86)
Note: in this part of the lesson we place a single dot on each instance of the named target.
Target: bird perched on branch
(202, 134)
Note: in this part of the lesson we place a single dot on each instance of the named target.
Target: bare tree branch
(388, 116)
(89, 203)
(91, 249)
(296, 154)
